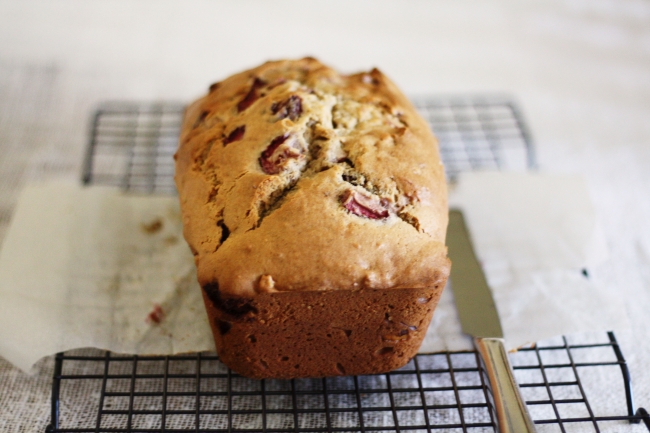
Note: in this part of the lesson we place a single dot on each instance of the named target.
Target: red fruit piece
(156, 315)
(278, 152)
(363, 205)
(291, 108)
(251, 96)
(236, 135)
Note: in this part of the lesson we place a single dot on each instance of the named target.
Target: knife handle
(511, 410)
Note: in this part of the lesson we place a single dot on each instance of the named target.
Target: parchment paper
(537, 237)
(92, 267)
(87, 267)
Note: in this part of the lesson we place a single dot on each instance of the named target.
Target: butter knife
(479, 318)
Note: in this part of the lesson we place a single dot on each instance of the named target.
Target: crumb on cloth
(156, 316)
(152, 227)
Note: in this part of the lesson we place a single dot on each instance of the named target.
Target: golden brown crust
(353, 133)
(294, 179)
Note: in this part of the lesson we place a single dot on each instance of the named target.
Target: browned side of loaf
(316, 334)
(303, 187)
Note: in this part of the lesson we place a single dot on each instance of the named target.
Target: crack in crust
(278, 197)
(410, 220)
(199, 120)
(275, 200)
(324, 147)
(252, 95)
(396, 203)
(236, 135)
(317, 124)
(205, 152)
(225, 232)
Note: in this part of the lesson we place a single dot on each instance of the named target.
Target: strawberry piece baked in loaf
(315, 205)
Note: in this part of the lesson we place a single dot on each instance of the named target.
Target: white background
(579, 69)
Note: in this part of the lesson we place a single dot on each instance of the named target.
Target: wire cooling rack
(562, 380)
(131, 145)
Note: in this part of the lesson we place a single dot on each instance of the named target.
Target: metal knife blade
(480, 319)
(476, 308)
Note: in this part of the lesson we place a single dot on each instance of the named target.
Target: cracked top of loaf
(292, 177)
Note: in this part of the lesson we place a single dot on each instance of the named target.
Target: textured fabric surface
(28, 95)
(343, 402)
(580, 70)
(25, 399)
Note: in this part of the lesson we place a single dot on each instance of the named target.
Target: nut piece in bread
(315, 205)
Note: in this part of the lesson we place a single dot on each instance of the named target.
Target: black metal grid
(479, 133)
(131, 146)
(96, 391)
(434, 392)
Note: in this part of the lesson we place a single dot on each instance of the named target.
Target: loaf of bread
(315, 205)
